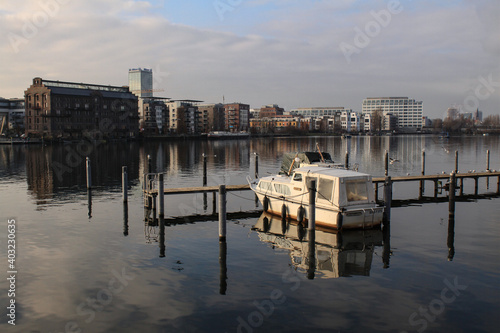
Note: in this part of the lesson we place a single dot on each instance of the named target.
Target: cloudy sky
(295, 53)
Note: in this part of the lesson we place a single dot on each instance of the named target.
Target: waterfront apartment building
(183, 116)
(140, 81)
(270, 110)
(236, 117)
(57, 109)
(408, 111)
(316, 112)
(350, 121)
(211, 117)
(279, 124)
(154, 115)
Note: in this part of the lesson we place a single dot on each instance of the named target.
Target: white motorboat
(344, 198)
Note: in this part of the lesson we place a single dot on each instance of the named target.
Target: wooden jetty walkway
(376, 180)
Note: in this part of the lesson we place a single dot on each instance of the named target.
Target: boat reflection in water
(324, 253)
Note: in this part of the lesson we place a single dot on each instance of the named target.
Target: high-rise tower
(140, 81)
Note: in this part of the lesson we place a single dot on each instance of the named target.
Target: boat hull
(367, 216)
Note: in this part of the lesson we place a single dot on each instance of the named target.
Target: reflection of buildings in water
(338, 254)
(181, 157)
(58, 169)
(39, 175)
(12, 160)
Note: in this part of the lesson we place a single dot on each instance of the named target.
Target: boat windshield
(356, 191)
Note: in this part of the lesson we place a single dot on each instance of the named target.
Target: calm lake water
(89, 264)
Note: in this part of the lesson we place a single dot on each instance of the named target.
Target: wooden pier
(376, 180)
(154, 191)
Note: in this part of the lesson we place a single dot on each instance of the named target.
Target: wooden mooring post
(387, 199)
(456, 161)
(256, 166)
(124, 184)
(161, 195)
(347, 159)
(312, 205)
(488, 160)
(421, 189)
(451, 205)
(222, 213)
(89, 173)
(204, 170)
(311, 228)
(386, 163)
(150, 166)
(423, 162)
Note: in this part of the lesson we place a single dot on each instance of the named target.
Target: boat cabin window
(325, 189)
(282, 189)
(297, 177)
(356, 191)
(265, 186)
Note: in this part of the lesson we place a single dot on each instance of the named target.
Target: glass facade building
(140, 81)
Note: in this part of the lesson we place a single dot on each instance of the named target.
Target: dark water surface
(100, 268)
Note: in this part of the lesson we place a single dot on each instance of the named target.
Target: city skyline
(291, 53)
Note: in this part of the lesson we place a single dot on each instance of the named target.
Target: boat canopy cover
(309, 157)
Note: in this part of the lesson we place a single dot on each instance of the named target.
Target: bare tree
(376, 122)
(492, 121)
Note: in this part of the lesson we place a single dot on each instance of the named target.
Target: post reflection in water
(205, 201)
(162, 237)
(323, 253)
(451, 238)
(386, 253)
(125, 219)
(89, 202)
(311, 257)
(223, 267)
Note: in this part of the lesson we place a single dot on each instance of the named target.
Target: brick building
(68, 110)
(236, 117)
(271, 110)
(211, 117)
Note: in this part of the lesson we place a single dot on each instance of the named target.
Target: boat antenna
(293, 162)
(319, 151)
